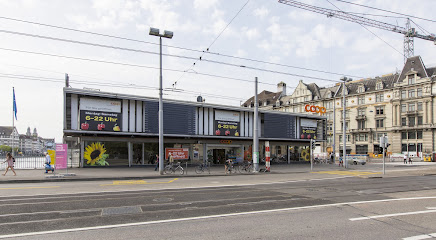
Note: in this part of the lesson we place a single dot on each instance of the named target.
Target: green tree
(4, 148)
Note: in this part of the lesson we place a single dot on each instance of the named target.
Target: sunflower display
(95, 154)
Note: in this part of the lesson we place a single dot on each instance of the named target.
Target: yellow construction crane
(408, 32)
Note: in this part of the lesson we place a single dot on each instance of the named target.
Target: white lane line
(392, 215)
(205, 217)
(99, 193)
(419, 237)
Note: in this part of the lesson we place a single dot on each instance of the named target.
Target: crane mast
(408, 32)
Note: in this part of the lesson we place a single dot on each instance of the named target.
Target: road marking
(206, 217)
(136, 182)
(419, 237)
(392, 215)
(28, 188)
(347, 173)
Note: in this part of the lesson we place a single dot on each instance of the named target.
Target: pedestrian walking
(48, 166)
(170, 158)
(341, 162)
(10, 160)
(332, 157)
(405, 158)
(410, 160)
(157, 162)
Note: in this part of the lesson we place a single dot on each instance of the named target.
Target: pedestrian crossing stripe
(348, 173)
(136, 182)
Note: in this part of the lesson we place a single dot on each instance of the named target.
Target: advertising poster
(308, 128)
(52, 154)
(61, 156)
(177, 153)
(100, 115)
(226, 123)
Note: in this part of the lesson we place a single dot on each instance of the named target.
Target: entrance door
(219, 156)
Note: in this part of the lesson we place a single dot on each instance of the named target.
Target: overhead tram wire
(181, 48)
(379, 9)
(370, 31)
(216, 38)
(170, 55)
(55, 80)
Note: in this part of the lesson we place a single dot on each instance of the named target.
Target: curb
(70, 179)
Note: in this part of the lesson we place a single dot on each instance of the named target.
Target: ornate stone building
(400, 106)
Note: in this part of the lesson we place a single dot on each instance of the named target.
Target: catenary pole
(255, 131)
(344, 129)
(161, 138)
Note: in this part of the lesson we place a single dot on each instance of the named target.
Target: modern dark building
(111, 129)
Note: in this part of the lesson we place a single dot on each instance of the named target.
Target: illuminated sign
(315, 109)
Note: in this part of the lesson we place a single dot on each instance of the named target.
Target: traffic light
(313, 144)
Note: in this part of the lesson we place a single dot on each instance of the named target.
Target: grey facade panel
(279, 126)
(151, 117)
(178, 118)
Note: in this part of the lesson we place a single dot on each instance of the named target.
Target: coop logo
(315, 109)
(226, 141)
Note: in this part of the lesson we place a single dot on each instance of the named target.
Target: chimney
(281, 87)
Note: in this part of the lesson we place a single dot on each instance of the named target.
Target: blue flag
(15, 105)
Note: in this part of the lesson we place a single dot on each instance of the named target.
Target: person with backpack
(10, 160)
(48, 166)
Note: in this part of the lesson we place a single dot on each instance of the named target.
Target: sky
(286, 43)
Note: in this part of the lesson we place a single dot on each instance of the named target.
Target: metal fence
(25, 162)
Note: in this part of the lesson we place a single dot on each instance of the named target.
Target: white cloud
(204, 4)
(261, 12)
(251, 33)
(264, 44)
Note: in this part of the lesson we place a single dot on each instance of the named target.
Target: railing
(25, 162)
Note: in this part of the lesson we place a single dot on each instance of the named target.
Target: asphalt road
(316, 206)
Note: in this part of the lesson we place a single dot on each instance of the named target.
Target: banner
(100, 121)
(61, 156)
(177, 153)
(226, 123)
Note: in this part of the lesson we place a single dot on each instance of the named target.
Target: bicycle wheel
(241, 169)
(168, 169)
(180, 170)
(199, 169)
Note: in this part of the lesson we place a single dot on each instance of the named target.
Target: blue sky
(264, 30)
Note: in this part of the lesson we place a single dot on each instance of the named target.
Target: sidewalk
(125, 173)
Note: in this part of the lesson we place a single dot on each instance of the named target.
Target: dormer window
(265, 103)
(361, 89)
(379, 86)
(411, 79)
(278, 103)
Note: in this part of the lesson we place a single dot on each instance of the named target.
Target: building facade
(27, 144)
(399, 106)
(110, 129)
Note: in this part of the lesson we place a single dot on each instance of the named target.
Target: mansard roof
(267, 96)
(415, 64)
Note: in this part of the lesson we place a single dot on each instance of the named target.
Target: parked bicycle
(203, 167)
(171, 168)
(246, 167)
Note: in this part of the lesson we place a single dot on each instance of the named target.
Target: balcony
(361, 117)
(361, 130)
(412, 112)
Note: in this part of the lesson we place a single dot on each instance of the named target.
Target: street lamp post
(167, 34)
